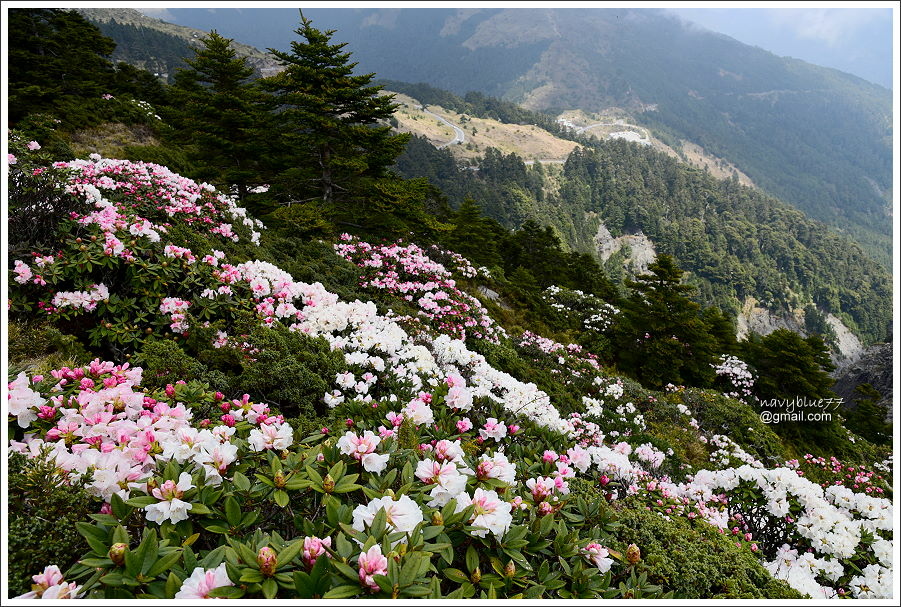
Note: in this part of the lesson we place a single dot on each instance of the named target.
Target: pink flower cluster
(50, 585)
(177, 310)
(856, 478)
(408, 272)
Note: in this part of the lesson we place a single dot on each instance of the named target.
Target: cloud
(156, 13)
(829, 25)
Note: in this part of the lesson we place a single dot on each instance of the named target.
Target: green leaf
(112, 579)
(147, 550)
(120, 535)
(281, 498)
(164, 563)
(472, 559)
(270, 588)
(455, 575)
(290, 552)
(120, 510)
(198, 508)
(379, 524)
(190, 560)
(343, 592)
(251, 576)
(105, 519)
(232, 511)
(242, 483)
(96, 562)
(95, 537)
(226, 592)
(249, 518)
(173, 585)
(411, 568)
(245, 553)
(217, 528)
(345, 570)
(141, 501)
(435, 588)
(265, 480)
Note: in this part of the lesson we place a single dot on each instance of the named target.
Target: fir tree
(221, 116)
(333, 129)
(867, 418)
(54, 56)
(662, 337)
(789, 365)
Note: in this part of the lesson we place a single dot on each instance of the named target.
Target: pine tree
(333, 134)
(221, 116)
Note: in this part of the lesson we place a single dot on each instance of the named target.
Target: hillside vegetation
(308, 377)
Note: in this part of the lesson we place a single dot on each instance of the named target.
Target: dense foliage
(202, 407)
(735, 241)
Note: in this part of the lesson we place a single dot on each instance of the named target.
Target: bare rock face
(642, 252)
(755, 318)
(873, 367)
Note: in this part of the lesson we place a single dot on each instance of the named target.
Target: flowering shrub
(739, 381)
(436, 475)
(832, 472)
(590, 312)
(408, 272)
(217, 495)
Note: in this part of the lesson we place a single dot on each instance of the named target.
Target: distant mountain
(160, 47)
(816, 137)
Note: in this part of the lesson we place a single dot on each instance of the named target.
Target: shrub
(291, 371)
(693, 559)
(43, 507)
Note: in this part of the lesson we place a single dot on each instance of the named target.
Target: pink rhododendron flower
(599, 556)
(313, 548)
(202, 582)
(493, 429)
(371, 563)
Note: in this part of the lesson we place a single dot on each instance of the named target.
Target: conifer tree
(54, 56)
(333, 129)
(220, 114)
(867, 417)
(662, 337)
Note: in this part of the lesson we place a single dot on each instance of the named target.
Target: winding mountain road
(459, 135)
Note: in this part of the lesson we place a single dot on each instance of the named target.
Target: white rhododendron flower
(271, 436)
(491, 513)
(403, 514)
(171, 508)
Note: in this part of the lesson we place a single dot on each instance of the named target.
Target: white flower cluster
(736, 372)
(81, 299)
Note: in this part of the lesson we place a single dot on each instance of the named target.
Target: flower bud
(328, 483)
(437, 519)
(117, 553)
(510, 569)
(280, 481)
(151, 485)
(633, 554)
(476, 576)
(267, 560)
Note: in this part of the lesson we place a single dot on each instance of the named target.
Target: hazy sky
(854, 40)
